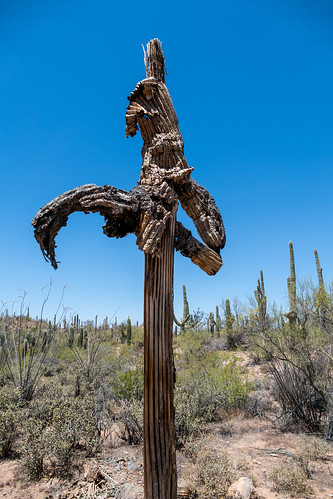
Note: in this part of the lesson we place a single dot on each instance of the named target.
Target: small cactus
(129, 331)
(80, 338)
(186, 320)
(218, 321)
(291, 283)
(85, 339)
(211, 323)
(319, 271)
(229, 320)
(260, 296)
(322, 297)
(122, 332)
(71, 337)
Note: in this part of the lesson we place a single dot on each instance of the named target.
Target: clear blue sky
(252, 84)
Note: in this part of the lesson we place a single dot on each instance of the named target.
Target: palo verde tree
(149, 211)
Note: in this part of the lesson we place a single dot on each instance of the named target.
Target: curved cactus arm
(120, 209)
(182, 323)
(179, 324)
(203, 256)
(201, 207)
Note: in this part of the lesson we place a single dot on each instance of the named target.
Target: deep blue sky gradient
(252, 86)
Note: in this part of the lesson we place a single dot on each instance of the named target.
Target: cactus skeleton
(149, 211)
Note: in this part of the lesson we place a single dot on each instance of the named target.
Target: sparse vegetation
(67, 386)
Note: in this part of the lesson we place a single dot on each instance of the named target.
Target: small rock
(256, 462)
(242, 489)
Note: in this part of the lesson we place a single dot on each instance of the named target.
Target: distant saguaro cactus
(80, 338)
(71, 337)
(122, 330)
(291, 283)
(185, 320)
(229, 320)
(129, 331)
(261, 299)
(218, 321)
(319, 271)
(322, 296)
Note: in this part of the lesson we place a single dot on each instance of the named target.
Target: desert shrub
(52, 432)
(298, 353)
(10, 417)
(210, 383)
(300, 393)
(311, 449)
(291, 478)
(73, 425)
(34, 448)
(130, 414)
(128, 381)
(212, 475)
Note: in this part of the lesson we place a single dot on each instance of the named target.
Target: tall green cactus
(319, 271)
(291, 283)
(261, 299)
(211, 323)
(186, 319)
(229, 318)
(122, 332)
(129, 331)
(80, 338)
(85, 339)
(321, 307)
(186, 308)
(71, 337)
(218, 321)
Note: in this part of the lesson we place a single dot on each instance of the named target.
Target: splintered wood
(149, 211)
(164, 180)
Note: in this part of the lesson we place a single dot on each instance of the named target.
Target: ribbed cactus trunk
(159, 429)
(159, 446)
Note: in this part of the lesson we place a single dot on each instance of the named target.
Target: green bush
(208, 383)
(53, 431)
(10, 418)
(34, 448)
(128, 382)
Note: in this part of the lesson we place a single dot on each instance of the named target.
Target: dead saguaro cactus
(149, 211)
